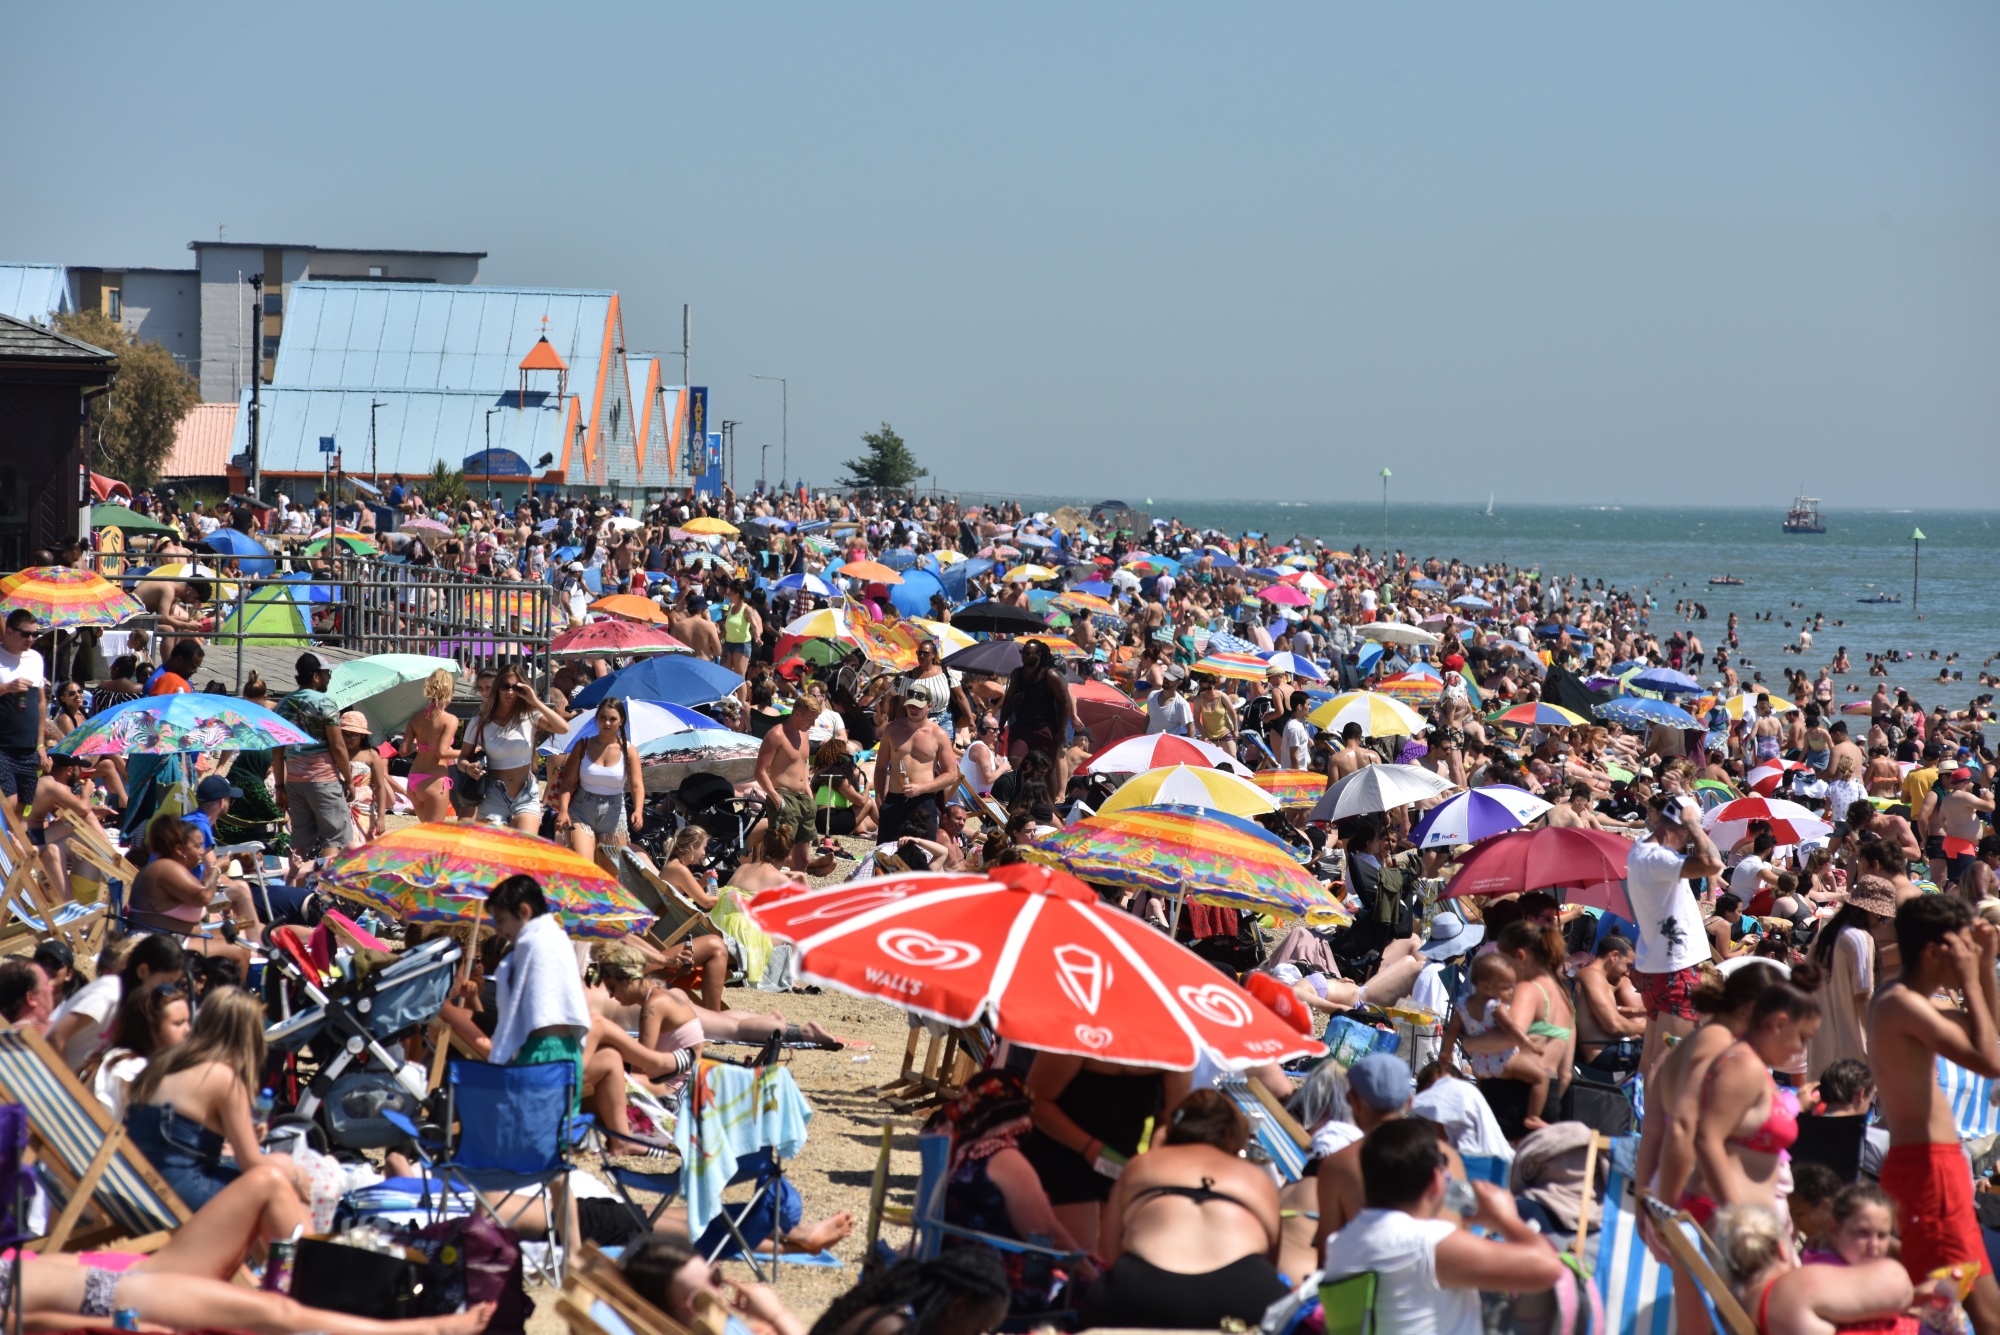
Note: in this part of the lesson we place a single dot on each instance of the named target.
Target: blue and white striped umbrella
(806, 582)
(1479, 814)
(649, 722)
(1302, 668)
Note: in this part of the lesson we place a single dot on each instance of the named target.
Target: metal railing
(360, 604)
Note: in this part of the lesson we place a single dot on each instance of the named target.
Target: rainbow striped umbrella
(64, 599)
(1241, 667)
(441, 871)
(1291, 787)
(1411, 686)
(1209, 856)
(1057, 646)
(1086, 602)
(1540, 714)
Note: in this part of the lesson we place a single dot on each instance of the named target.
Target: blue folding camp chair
(927, 1219)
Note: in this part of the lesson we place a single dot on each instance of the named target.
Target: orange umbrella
(872, 571)
(630, 606)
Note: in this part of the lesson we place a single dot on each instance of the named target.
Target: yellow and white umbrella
(1379, 715)
(223, 591)
(1030, 574)
(1736, 706)
(826, 623)
(1187, 785)
(948, 638)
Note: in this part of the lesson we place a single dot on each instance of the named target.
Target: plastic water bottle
(260, 1110)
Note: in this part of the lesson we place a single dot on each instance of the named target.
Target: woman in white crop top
(600, 791)
(502, 739)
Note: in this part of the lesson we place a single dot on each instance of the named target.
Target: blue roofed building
(543, 369)
(34, 292)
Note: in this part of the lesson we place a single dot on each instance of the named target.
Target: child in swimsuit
(1487, 1010)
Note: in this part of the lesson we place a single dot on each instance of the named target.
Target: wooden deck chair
(30, 899)
(594, 1279)
(1691, 1255)
(104, 1190)
(1277, 1134)
(675, 914)
(1599, 1144)
(985, 807)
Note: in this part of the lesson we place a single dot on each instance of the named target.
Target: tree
(888, 465)
(135, 424)
(445, 487)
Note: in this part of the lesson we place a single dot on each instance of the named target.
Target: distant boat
(1489, 505)
(1804, 516)
(1725, 579)
(1881, 598)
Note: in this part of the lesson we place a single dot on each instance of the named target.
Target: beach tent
(268, 619)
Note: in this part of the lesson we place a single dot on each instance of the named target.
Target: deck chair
(1692, 1249)
(30, 899)
(948, 1060)
(1637, 1288)
(598, 1300)
(675, 915)
(1283, 1143)
(984, 805)
(1348, 1304)
(102, 1189)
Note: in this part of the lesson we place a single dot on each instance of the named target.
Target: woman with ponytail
(1542, 1004)
(1745, 1120)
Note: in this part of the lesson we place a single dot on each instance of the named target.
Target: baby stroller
(710, 801)
(340, 1032)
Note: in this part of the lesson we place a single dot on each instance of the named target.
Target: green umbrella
(117, 516)
(387, 688)
(353, 545)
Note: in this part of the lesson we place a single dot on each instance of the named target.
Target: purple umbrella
(1479, 814)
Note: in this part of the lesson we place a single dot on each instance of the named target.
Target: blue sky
(1252, 251)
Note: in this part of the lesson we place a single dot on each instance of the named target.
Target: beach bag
(465, 788)
(341, 1278)
(472, 1260)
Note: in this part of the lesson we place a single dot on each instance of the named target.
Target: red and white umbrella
(1136, 755)
(1033, 952)
(1790, 823)
(1764, 779)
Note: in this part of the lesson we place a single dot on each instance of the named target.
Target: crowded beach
(861, 913)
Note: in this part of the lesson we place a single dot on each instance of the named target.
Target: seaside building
(45, 381)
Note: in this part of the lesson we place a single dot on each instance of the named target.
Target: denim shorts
(498, 805)
(603, 814)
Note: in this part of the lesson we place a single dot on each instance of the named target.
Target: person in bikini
(429, 736)
(1944, 949)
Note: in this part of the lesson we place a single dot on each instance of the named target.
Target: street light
(785, 423)
(374, 457)
(729, 449)
(763, 468)
(488, 460)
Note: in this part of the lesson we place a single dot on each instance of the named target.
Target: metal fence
(360, 605)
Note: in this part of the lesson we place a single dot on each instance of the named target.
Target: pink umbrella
(1588, 864)
(1284, 594)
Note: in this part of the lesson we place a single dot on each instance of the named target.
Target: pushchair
(340, 1031)
(710, 801)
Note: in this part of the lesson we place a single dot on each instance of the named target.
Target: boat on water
(1881, 598)
(1804, 516)
(1725, 579)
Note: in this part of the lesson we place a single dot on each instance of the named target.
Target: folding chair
(30, 900)
(598, 1300)
(1275, 1133)
(103, 1189)
(675, 915)
(1691, 1254)
(1637, 1289)
(1348, 1304)
(927, 1218)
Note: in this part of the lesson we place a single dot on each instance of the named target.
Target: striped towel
(400, 1201)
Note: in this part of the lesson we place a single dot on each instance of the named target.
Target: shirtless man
(1610, 1017)
(1575, 812)
(696, 631)
(55, 794)
(1863, 818)
(915, 764)
(1844, 745)
(165, 598)
(784, 772)
(1352, 755)
(1980, 879)
(1944, 948)
(1954, 807)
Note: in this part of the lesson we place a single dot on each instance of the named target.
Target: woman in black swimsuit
(1193, 1230)
(1089, 1116)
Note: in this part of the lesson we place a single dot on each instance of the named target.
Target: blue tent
(951, 578)
(675, 679)
(913, 596)
(253, 558)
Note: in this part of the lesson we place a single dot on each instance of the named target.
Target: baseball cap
(1382, 1081)
(309, 664)
(1961, 776)
(214, 788)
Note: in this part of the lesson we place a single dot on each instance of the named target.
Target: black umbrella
(997, 618)
(996, 658)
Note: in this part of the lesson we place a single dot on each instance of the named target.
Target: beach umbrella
(1237, 667)
(1468, 817)
(387, 688)
(1291, 787)
(1107, 711)
(1145, 564)
(1187, 785)
(223, 590)
(1426, 583)
(708, 526)
(1220, 558)
(1540, 714)
(913, 596)
(870, 572)
(1736, 706)
(252, 557)
(352, 543)
(441, 871)
(1057, 646)
(1284, 595)
(1378, 715)
(1124, 579)
(1098, 587)
(996, 618)
(631, 607)
(1078, 601)
(1379, 788)
(131, 521)
(1030, 951)
(1664, 680)
(1395, 632)
(706, 560)
(1588, 865)
(1136, 755)
(899, 559)
(615, 637)
(822, 623)
(1790, 823)
(679, 679)
(66, 599)
(426, 527)
(1189, 853)
(1765, 778)
(1471, 601)
(948, 638)
(1307, 582)
(1299, 666)
(188, 721)
(993, 658)
(647, 723)
(999, 551)
(1411, 685)
(805, 582)
(1636, 711)
(1029, 574)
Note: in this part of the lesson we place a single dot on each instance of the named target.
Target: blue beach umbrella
(252, 557)
(805, 582)
(913, 596)
(676, 679)
(1666, 681)
(1479, 814)
(1633, 711)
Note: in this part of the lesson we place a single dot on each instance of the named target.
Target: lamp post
(785, 422)
(488, 460)
(1916, 565)
(763, 467)
(729, 449)
(1385, 510)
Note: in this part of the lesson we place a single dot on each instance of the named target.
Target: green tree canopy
(888, 464)
(136, 422)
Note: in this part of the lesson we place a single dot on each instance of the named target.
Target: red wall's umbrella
(1589, 864)
(1033, 952)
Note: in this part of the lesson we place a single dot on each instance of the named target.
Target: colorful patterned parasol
(1291, 787)
(615, 637)
(1540, 714)
(64, 599)
(1079, 601)
(1411, 686)
(441, 872)
(1057, 646)
(1209, 856)
(190, 721)
(1239, 667)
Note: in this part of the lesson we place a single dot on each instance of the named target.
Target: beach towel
(728, 1113)
(730, 919)
(539, 988)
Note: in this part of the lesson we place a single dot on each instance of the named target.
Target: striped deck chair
(1638, 1291)
(597, 1299)
(29, 899)
(103, 1189)
(1972, 1098)
(1694, 1255)
(1283, 1141)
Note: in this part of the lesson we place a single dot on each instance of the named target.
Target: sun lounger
(597, 1300)
(103, 1189)
(676, 915)
(30, 900)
